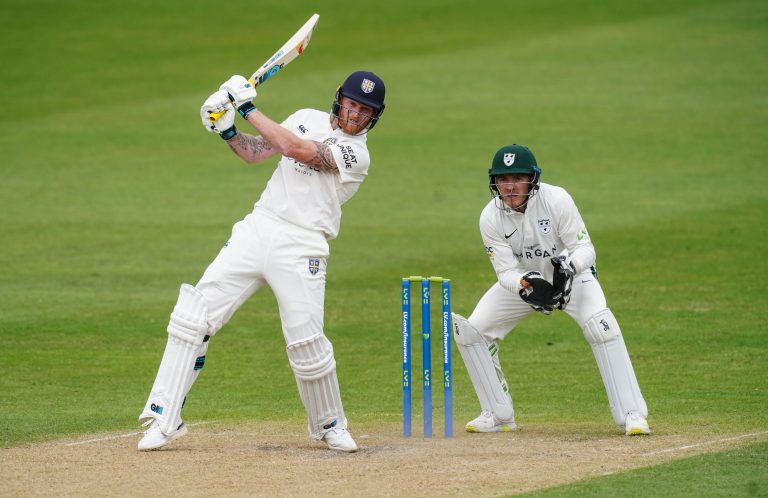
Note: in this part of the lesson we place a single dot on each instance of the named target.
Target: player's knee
(601, 327)
(464, 332)
(311, 358)
(188, 321)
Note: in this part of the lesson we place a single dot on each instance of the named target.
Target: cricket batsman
(282, 243)
(533, 234)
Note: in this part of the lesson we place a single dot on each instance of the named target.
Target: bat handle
(214, 116)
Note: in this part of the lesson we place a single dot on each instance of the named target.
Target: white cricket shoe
(340, 440)
(154, 438)
(636, 425)
(487, 422)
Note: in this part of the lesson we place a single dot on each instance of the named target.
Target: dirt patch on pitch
(269, 459)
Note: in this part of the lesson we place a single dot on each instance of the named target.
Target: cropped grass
(652, 114)
(739, 472)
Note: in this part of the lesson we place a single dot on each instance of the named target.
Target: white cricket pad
(603, 334)
(482, 363)
(315, 370)
(186, 332)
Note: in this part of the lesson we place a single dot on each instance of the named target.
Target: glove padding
(538, 294)
(240, 92)
(562, 281)
(218, 102)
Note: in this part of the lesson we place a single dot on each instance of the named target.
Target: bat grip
(214, 116)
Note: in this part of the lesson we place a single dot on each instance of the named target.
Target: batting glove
(240, 92)
(218, 102)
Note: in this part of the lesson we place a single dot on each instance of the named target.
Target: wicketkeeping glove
(538, 292)
(562, 281)
(225, 125)
(240, 92)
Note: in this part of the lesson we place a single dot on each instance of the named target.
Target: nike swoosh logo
(510, 235)
(585, 281)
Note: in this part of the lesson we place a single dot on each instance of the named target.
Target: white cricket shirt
(306, 196)
(517, 243)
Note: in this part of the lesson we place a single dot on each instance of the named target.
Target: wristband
(246, 108)
(228, 133)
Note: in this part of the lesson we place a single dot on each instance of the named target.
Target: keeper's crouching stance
(534, 235)
(282, 243)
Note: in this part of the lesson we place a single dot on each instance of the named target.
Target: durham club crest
(509, 158)
(314, 265)
(544, 226)
(367, 85)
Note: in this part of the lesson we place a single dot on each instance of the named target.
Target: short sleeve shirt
(306, 196)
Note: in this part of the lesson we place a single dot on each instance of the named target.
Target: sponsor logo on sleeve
(302, 129)
(347, 155)
(489, 250)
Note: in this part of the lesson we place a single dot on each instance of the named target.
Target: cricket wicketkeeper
(544, 260)
(283, 243)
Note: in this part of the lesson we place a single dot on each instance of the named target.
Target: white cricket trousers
(264, 249)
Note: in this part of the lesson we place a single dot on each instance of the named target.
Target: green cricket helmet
(514, 159)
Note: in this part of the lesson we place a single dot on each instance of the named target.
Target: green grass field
(652, 114)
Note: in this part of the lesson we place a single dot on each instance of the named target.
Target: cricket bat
(293, 48)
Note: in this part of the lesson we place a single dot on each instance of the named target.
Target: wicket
(426, 353)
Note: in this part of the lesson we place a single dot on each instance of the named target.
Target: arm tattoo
(253, 147)
(323, 159)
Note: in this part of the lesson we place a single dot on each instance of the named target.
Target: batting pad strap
(601, 327)
(311, 358)
(189, 318)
